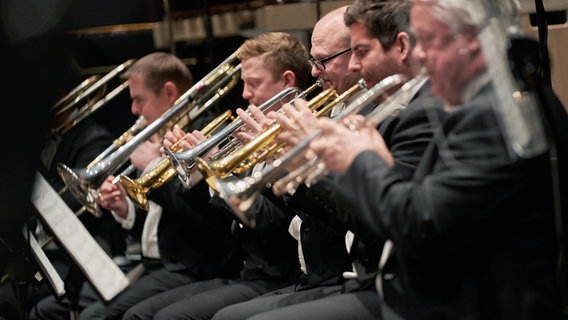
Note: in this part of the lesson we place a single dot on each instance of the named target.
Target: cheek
(372, 64)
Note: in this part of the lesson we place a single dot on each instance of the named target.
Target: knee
(42, 310)
(94, 311)
(223, 314)
(132, 314)
(166, 314)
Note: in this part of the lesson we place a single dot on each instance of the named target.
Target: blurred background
(105, 33)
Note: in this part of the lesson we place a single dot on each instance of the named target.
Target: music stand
(99, 269)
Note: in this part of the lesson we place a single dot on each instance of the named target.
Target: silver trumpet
(241, 194)
(185, 161)
(314, 169)
(83, 183)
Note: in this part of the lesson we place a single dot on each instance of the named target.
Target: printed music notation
(97, 266)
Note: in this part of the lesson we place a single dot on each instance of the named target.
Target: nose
(418, 52)
(316, 72)
(135, 109)
(247, 93)
(354, 64)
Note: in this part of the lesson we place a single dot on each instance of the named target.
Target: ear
(171, 91)
(404, 44)
(289, 78)
(474, 46)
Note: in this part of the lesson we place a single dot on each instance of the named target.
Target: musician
(473, 228)
(270, 62)
(381, 46)
(180, 242)
(76, 148)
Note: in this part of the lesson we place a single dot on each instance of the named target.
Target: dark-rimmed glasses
(320, 63)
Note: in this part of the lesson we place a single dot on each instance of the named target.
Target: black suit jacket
(406, 134)
(473, 228)
(77, 148)
(193, 236)
(268, 251)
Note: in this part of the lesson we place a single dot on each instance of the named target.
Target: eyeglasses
(320, 64)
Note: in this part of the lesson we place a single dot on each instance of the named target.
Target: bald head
(331, 31)
(329, 37)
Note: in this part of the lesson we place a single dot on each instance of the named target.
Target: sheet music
(46, 267)
(97, 266)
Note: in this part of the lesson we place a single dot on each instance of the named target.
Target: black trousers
(93, 307)
(200, 300)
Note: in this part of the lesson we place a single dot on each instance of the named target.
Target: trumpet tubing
(185, 161)
(313, 170)
(241, 194)
(222, 168)
(233, 143)
(290, 183)
(137, 189)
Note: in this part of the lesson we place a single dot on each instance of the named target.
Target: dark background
(99, 52)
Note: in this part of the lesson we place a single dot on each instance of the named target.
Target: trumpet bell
(135, 191)
(238, 194)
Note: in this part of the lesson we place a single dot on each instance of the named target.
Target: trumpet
(184, 161)
(163, 172)
(236, 143)
(246, 155)
(93, 84)
(241, 194)
(83, 183)
(310, 172)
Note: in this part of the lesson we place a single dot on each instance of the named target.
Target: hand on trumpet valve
(178, 140)
(113, 197)
(175, 140)
(254, 122)
(342, 145)
(297, 122)
(353, 122)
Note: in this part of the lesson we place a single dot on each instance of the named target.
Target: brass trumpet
(184, 161)
(83, 183)
(163, 172)
(245, 156)
(241, 194)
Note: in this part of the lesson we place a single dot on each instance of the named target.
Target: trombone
(247, 156)
(84, 91)
(83, 183)
(246, 190)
